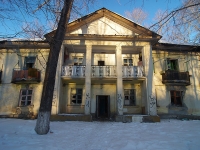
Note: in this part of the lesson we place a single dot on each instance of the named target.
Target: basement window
(25, 97)
(76, 96)
(129, 97)
(176, 98)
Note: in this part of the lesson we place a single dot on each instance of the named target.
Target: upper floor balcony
(102, 71)
(132, 71)
(73, 71)
(30, 75)
(173, 77)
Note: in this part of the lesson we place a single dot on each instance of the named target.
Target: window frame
(176, 98)
(28, 63)
(76, 98)
(129, 95)
(169, 64)
(77, 62)
(127, 63)
(26, 95)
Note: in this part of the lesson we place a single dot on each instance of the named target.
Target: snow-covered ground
(17, 134)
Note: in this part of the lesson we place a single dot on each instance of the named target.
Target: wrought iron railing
(174, 77)
(30, 75)
(132, 71)
(103, 71)
(73, 71)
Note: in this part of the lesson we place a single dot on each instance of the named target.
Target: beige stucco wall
(191, 99)
(9, 92)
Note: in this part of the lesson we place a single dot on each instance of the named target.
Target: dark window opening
(101, 63)
(76, 96)
(29, 62)
(176, 98)
(172, 64)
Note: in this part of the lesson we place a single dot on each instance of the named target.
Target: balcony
(172, 77)
(132, 71)
(104, 71)
(30, 75)
(73, 71)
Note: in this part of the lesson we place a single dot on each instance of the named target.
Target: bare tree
(43, 121)
(180, 25)
(137, 15)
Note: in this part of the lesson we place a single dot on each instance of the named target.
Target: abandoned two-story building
(109, 67)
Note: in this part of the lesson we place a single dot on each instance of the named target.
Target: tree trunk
(43, 120)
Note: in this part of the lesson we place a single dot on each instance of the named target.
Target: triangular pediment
(106, 22)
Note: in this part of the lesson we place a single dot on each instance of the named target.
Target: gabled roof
(103, 12)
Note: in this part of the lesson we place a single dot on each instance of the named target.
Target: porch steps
(137, 118)
(71, 117)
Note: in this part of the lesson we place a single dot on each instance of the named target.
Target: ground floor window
(76, 96)
(25, 97)
(176, 98)
(129, 97)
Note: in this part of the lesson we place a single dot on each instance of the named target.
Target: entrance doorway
(103, 106)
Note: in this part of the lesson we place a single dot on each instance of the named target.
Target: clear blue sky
(149, 6)
(117, 6)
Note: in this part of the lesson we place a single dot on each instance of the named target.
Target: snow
(169, 134)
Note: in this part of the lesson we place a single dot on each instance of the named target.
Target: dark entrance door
(103, 106)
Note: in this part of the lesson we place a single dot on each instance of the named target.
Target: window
(176, 98)
(29, 62)
(129, 97)
(76, 96)
(128, 62)
(78, 61)
(101, 63)
(172, 64)
(25, 97)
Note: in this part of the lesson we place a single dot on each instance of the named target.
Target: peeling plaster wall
(9, 92)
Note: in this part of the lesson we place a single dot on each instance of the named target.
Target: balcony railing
(103, 71)
(30, 75)
(132, 71)
(73, 71)
(175, 77)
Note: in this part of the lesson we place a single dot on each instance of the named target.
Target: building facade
(108, 67)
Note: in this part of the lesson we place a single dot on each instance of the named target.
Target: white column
(88, 79)
(57, 87)
(150, 88)
(120, 100)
